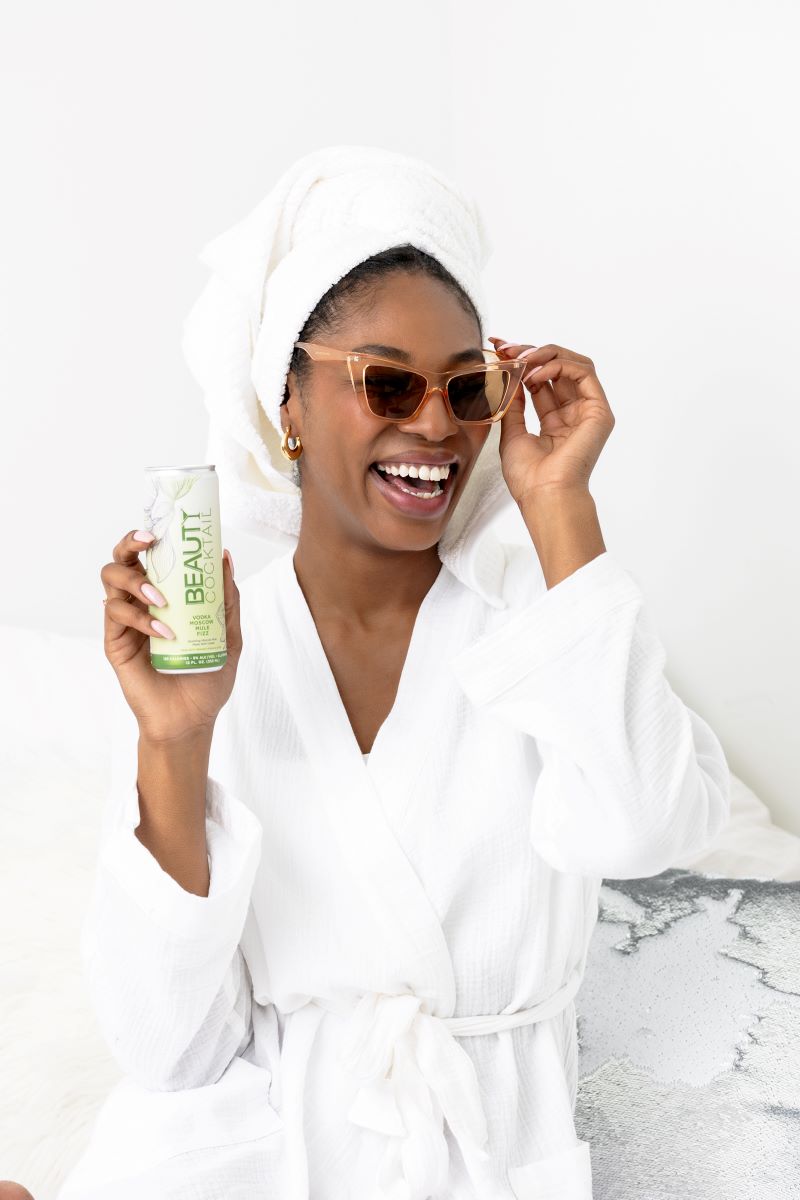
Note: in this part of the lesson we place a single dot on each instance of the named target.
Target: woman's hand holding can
(166, 706)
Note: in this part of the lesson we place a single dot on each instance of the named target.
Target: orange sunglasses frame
(435, 381)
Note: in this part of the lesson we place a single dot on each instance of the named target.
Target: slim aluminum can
(185, 563)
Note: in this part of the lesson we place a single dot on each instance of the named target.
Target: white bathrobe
(376, 999)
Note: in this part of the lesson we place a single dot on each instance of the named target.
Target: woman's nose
(433, 418)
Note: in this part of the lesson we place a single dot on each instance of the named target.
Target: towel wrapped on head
(328, 212)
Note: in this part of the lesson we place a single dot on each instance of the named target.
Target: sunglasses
(474, 395)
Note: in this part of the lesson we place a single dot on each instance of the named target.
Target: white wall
(635, 164)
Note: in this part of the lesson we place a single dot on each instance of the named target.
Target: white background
(637, 167)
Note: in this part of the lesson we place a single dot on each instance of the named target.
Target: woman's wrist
(564, 528)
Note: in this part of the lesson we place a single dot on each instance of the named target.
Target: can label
(185, 564)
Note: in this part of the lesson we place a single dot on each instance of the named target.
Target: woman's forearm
(565, 530)
(172, 780)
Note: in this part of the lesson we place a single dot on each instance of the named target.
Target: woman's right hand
(166, 706)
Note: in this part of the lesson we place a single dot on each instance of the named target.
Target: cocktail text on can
(185, 563)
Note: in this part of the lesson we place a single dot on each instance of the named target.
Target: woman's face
(342, 443)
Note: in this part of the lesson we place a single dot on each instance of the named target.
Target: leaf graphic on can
(160, 511)
(150, 499)
(162, 559)
(221, 619)
(176, 488)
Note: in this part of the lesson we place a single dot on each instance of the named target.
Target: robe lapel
(407, 740)
(348, 791)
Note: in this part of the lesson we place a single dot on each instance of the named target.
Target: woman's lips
(415, 506)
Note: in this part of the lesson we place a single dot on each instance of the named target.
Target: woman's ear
(290, 407)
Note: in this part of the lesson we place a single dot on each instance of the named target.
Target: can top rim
(181, 467)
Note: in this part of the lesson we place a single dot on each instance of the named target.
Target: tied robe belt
(412, 1073)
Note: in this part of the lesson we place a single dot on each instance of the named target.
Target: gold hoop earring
(291, 447)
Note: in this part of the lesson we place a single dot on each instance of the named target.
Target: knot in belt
(413, 1074)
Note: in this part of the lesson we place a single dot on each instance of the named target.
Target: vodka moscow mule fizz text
(185, 562)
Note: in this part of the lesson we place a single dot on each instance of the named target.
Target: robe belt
(413, 1074)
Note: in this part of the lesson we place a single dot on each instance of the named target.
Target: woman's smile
(413, 488)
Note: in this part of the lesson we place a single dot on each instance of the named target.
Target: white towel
(330, 210)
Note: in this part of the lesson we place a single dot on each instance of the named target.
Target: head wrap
(329, 211)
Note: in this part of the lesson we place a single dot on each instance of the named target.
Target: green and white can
(185, 563)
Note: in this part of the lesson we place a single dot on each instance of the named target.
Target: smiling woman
(367, 550)
(383, 972)
(407, 295)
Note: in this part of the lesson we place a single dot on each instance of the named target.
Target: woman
(344, 908)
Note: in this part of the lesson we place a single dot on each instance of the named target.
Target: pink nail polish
(153, 595)
(142, 535)
(163, 630)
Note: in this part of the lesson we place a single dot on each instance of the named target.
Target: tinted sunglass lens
(477, 396)
(396, 393)
(393, 392)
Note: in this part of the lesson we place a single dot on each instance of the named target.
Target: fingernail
(227, 554)
(162, 629)
(153, 595)
(142, 535)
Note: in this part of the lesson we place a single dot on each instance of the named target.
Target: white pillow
(750, 846)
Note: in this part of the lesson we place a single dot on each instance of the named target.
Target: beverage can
(184, 562)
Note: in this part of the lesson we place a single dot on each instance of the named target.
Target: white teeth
(421, 471)
(422, 495)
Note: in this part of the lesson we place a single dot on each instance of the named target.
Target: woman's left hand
(574, 417)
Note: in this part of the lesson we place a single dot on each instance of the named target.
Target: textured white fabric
(534, 748)
(328, 211)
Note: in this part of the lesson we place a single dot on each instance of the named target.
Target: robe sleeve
(628, 778)
(166, 976)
